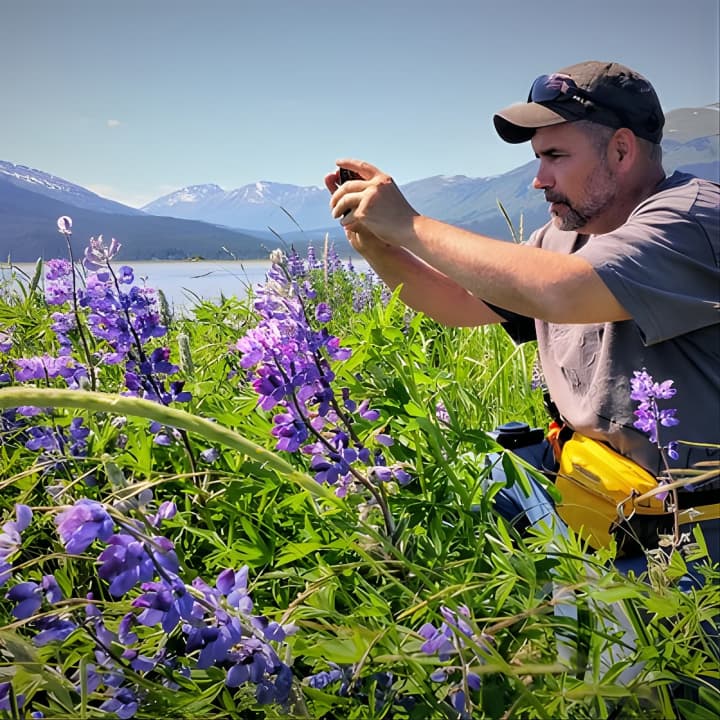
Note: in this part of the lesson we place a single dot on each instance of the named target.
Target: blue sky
(137, 98)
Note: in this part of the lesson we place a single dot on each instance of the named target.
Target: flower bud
(186, 361)
(277, 257)
(64, 224)
(164, 308)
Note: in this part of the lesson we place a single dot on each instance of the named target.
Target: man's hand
(370, 206)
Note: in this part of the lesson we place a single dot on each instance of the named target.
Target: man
(623, 277)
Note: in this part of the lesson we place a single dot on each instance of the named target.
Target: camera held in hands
(346, 175)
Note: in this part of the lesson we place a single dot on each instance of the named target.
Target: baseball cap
(602, 92)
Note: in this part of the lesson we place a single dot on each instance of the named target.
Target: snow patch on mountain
(25, 174)
(191, 194)
(57, 188)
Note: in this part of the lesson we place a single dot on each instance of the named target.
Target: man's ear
(623, 147)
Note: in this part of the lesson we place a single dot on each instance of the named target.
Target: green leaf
(493, 690)
(341, 650)
(414, 410)
(692, 711)
(295, 551)
(615, 593)
(677, 567)
(665, 606)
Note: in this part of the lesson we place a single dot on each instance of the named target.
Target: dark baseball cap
(602, 92)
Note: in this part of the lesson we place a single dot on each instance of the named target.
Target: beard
(599, 193)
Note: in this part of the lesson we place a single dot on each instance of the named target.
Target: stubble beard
(600, 192)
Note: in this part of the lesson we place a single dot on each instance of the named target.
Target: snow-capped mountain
(31, 201)
(690, 144)
(257, 206)
(57, 188)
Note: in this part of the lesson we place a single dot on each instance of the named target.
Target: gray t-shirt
(662, 265)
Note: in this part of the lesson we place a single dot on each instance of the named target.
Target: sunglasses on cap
(557, 87)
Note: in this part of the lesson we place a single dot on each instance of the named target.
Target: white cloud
(113, 123)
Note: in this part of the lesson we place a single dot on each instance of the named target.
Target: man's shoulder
(549, 237)
(683, 192)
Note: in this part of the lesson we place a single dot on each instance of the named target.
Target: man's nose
(542, 179)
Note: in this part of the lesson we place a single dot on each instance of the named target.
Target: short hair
(600, 136)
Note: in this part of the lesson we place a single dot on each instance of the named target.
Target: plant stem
(76, 312)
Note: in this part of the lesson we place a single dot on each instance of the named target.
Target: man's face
(575, 175)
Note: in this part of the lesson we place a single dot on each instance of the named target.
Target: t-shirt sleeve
(662, 267)
(520, 328)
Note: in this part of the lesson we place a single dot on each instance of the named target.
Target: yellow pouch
(593, 480)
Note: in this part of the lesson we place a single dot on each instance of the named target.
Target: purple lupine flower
(124, 703)
(28, 596)
(52, 628)
(125, 275)
(272, 631)
(234, 586)
(98, 254)
(649, 415)
(457, 700)
(125, 633)
(291, 432)
(269, 692)
(5, 697)
(126, 561)
(295, 265)
(44, 367)
(324, 678)
(138, 662)
(43, 438)
(166, 511)
(366, 413)
(50, 587)
(323, 313)
(290, 368)
(164, 605)
(10, 537)
(214, 642)
(5, 572)
(58, 281)
(6, 340)
(120, 318)
(441, 413)
(445, 640)
(437, 641)
(62, 325)
(82, 523)
(209, 455)
(253, 660)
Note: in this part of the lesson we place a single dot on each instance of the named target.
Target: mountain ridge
(246, 222)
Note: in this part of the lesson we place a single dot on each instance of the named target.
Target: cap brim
(518, 123)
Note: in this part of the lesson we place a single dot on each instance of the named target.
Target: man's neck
(629, 198)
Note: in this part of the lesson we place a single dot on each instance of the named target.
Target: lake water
(182, 281)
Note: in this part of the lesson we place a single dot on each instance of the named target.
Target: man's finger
(364, 169)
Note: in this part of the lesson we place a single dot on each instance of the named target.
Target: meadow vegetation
(281, 506)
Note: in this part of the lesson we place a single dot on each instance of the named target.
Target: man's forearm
(426, 289)
(527, 280)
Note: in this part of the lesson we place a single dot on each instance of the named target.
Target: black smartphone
(346, 175)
